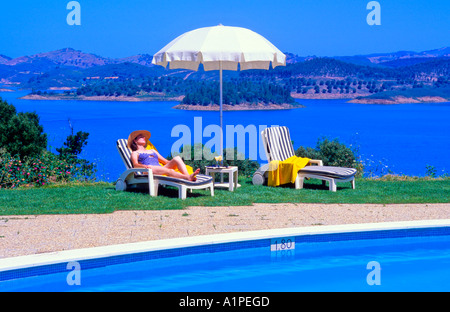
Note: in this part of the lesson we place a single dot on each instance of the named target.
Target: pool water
(406, 264)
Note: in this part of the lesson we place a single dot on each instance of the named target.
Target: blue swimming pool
(394, 260)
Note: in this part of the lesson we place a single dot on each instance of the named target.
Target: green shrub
(74, 144)
(332, 153)
(431, 171)
(44, 169)
(20, 133)
(24, 159)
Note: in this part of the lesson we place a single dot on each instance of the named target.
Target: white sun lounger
(134, 176)
(278, 146)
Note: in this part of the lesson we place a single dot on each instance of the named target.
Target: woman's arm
(160, 158)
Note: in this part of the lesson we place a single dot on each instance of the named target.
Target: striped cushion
(279, 144)
(331, 172)
(125, 153)
(279, 147)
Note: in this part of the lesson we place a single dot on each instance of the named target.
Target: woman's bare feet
(193, 177)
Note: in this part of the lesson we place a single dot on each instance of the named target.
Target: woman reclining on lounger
(144, 158)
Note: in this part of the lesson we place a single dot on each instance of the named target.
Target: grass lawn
(102, 197)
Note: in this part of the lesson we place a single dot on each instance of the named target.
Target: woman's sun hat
(134, 134)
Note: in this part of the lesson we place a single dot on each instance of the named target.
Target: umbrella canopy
(220, 48)
(213, 46)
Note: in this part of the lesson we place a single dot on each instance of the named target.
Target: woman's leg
(178, 163)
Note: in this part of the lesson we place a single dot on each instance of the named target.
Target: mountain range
(75, 58)
(69, 65)
(396, 59)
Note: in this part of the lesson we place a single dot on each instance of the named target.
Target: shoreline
(158, 97)
(120, 98)
(400, 100)
(361, 99)
(324, 96)
(36, 234)
(242, 107)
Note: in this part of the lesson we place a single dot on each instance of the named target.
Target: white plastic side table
(232, 171)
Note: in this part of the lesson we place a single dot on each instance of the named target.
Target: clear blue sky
(119, 28)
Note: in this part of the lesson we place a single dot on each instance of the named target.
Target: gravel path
(24, 235)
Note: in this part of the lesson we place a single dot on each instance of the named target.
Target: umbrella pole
(221, 120)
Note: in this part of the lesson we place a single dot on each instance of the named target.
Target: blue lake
(401, 138)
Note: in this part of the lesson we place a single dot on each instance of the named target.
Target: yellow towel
(282, 172)
(151, 146)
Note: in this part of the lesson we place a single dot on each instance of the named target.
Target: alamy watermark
(374, 16)
(236, 135)
(374, 276)
(74, 16)
(74, 276)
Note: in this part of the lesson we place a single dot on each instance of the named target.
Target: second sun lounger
(278, 146)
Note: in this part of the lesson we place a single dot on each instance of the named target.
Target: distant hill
(332, 68)
(72, 68)
(63, 57)
(431, 69)
(407, 61)
(329, 68)
(386, 58)
(393, 59)
(65, 67)
(293, 58)
(141, 59)
(317, 67)
(4, 59)
(75, 77)
(75, 58)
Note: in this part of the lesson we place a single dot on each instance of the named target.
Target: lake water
(401, 138)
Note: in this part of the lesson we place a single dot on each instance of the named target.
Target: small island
(162, 97)
(238, 94)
